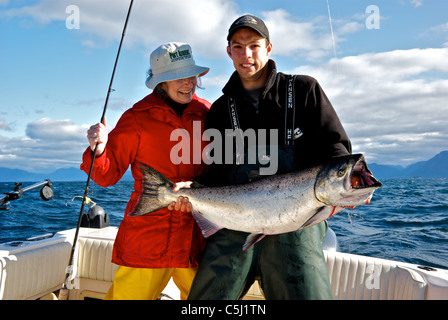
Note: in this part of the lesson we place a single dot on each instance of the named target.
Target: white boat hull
(36, 269)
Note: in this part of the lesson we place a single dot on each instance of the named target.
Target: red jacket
(162, 239)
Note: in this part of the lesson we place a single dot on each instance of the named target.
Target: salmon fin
(208, 228)
(323, 213)
(149, 201)
(252, 239)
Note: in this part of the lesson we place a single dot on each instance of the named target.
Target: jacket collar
(153, 100)
(234, 86)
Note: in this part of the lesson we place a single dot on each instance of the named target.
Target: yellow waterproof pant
(148, 284)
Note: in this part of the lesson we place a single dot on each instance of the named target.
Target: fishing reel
(46, 193)
(96, 217)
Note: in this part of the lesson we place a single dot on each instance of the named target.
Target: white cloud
(308, 39)
(55, 130)
(201, 23)
(390, 102)
(440, 30)
(49, 144)
(348, 27)
(417, 3)
(293, 37)
(5, 126)
(198, 22)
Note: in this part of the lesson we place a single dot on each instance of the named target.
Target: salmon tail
(154, 183)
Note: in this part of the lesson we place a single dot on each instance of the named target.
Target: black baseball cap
(249, 21)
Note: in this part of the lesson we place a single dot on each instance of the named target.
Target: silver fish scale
(273, 205)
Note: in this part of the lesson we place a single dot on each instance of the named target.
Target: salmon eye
(341, 173)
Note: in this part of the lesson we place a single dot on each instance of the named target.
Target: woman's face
(182, 90)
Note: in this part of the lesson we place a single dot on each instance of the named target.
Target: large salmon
(272, 205)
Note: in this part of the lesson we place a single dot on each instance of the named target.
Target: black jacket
(322, 135)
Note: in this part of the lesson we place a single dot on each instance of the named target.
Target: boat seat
(33, 271)
(352, 277)
(95, 259)
(356, 277)
(95, 269)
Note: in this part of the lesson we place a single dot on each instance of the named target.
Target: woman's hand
(98, 134)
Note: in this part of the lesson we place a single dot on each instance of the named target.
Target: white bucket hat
(172, 61)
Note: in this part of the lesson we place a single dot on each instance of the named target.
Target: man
(291, 265)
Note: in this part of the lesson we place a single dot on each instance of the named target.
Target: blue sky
(386, 72)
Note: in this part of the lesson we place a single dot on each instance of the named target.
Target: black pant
(289, 266)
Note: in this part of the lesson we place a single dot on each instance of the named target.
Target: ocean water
(407, 219)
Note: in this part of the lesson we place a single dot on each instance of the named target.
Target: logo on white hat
(180, 55)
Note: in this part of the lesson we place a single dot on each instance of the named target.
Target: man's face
(250, 53)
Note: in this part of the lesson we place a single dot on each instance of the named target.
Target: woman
(152, 248)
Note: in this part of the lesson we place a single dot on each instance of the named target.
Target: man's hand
(182, 204)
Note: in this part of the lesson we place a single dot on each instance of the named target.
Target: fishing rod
(70, 274)
(46, 193)
(332, 36)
